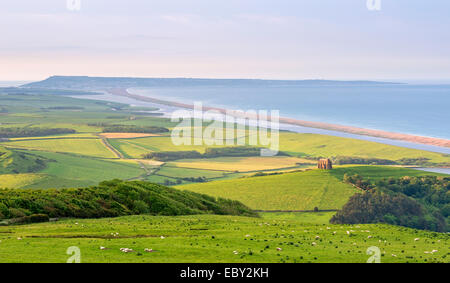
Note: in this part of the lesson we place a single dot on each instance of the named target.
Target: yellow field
(19, 180)
(89, 147)
(126, 135)
(67, 136)
(240, 164)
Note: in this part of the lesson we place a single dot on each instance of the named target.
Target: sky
(268, 39)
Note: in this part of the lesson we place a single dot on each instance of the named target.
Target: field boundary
(274, 211)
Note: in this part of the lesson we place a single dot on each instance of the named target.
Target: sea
(422, 110)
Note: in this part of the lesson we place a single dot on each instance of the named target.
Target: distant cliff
(84, 82)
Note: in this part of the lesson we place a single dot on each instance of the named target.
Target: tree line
(112, 199)
(416, 202)
(17, 132)
(236, 151)
(134, 129)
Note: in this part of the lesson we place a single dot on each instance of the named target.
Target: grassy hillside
(19, 180)
(89, 147)
(81, 171)
(327, 146)
(212, 238)
(291, 191)
(299, 190)
(112, 199)
(13, 162)
(379, 172)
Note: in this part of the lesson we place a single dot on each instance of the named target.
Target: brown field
(241, 164)
(126, 135)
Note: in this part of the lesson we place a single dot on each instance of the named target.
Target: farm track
(117, 153)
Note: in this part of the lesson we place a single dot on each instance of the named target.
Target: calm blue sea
(415, 109)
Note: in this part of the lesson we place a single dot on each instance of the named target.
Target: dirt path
(111, 148)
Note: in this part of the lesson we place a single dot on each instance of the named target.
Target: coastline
(438, 142)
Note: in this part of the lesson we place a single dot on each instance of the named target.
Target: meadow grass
(379, 172)
(64, 136)
(19, 180)
(303, 217)
(299, 190)
(128, 149)
(210, 238)
(82, 170)
(328, 146)
(291, 191)
(88, 147)
(178, 172)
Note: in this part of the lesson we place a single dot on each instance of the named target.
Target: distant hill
(86, 83)
(42, 90)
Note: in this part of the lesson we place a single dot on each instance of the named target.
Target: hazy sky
(280, 39)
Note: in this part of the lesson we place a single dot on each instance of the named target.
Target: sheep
(126, 250)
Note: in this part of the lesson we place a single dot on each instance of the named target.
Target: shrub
(111, 199)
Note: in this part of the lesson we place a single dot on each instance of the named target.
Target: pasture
(87, 146)
(290, 191)
(209, 238)
(19, 180)
(328, 146)
(80, 171)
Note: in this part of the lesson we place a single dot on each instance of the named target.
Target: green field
(328, 146)
(178, 172)
(80, 171)
(291, 191)
(208, 238)
(19, 180)
(88, 147)
(299, 190)
(379, 172)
